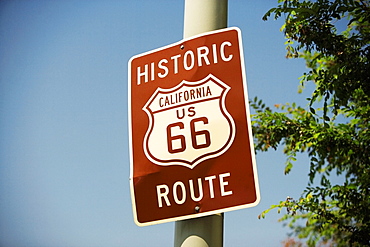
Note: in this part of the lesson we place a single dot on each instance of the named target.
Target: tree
(333, 129)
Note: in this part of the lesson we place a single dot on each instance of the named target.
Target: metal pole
(202, 16)
(200, 232)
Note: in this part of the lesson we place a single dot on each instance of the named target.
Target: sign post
(191, 148)
(200, 17)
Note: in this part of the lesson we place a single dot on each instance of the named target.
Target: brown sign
(190, 135)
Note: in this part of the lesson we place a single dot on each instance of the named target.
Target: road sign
(191, 149)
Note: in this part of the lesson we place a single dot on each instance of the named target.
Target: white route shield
(188, 123)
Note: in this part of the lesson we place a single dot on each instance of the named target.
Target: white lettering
(152, 70)
(180, 192)
(203, 55)
(214, 52)
(192, 61)
(161, 66)
(200, 189)
(183, 191)
(140, 74)
(222, 50)
(176, 63)
(223, 184)
(210, 181)
(163, 195)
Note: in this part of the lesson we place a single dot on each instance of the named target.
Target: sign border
(245, 91)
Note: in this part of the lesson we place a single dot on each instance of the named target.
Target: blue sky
(64, 157)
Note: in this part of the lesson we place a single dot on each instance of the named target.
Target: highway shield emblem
(188, 123)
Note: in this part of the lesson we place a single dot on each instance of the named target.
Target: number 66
(194, 133)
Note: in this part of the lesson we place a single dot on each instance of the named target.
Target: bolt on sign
(191, 148)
